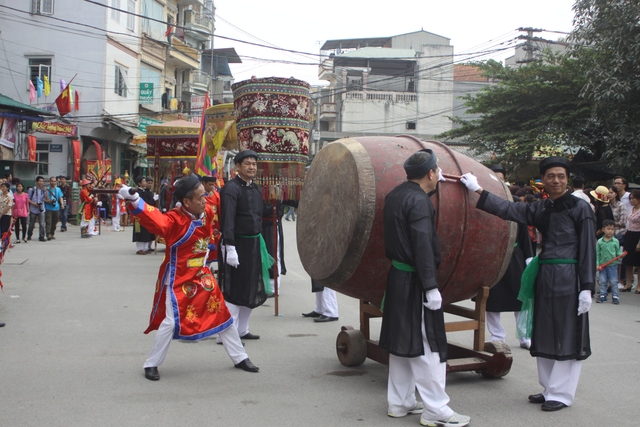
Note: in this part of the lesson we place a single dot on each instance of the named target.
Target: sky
(472, 25)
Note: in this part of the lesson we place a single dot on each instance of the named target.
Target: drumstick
(449, 176)
(601, 266)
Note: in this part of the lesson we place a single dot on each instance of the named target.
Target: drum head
(336, 212)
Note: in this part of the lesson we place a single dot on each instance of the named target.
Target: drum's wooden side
(335, 213)
(340, 226)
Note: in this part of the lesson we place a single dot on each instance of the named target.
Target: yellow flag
(47, 86)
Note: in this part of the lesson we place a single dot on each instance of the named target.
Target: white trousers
(143, 246)
(229, 338)
(240, 316)
(497, 331)
(424, 373)
(115, 220)
(327, 303)
(559, 378)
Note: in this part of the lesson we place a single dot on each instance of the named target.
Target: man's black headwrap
(184, 185)
(243, 155)
(415, 171)
(554, 162)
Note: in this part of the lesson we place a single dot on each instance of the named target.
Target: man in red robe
(188, 303)
(212, 197)
(88, 213)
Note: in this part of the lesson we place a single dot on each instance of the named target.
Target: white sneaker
(417, 409)
(455, 420)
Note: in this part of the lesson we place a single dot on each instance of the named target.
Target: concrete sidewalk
(72, 351)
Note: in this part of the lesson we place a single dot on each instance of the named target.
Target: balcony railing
(198, 80)
(328, 109)
(198, 25)
(382, 96)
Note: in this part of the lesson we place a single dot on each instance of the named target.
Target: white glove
(99, 204)
(440, 176)
(584, 302)
(528, 260)
(124, 192)
(434, 299)
(155, 197)
(470, 181)
(232, 256)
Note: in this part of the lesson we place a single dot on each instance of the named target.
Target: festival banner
(31, 143)
(99, 170)
(77, 153)
(54, 128)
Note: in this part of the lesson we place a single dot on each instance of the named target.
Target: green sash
(267, 260)
(527, 294)
(402, 267)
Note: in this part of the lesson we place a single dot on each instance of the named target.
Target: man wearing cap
(242, 273)
(187, 304)
(503, 296)
(413, 321)
(66, 197)
(562, 289)
(88, 212)
(141, 235)
(117, 206)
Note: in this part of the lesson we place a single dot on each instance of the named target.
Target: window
(42, 155)
(42, 7)
(120, 84)
(131, 8)
(39, 67)
(115, 14)
(411, 125)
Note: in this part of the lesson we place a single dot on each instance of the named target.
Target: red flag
(76, 160)
(98, 150)
(31, 142)
(77, 106)
(166, 34)
(63, 102)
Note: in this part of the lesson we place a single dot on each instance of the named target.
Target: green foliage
(531, 110)
(606, 39)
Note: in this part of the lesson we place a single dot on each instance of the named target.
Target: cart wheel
(500, 363)
(351, 347)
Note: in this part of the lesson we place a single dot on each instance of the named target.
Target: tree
(606, 40)
(531, 110)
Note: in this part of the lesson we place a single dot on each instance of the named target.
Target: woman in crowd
(6, 206)
(20, 211)
(632, 240)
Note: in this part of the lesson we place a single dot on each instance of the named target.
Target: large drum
(339, 227)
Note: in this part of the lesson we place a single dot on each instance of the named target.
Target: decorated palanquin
(273, 120)
(173, 140)
(199, 310)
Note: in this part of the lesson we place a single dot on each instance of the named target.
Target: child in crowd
(607, 249)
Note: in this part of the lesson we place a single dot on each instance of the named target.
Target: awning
(18, 107)
(127, 127)
(107, 134)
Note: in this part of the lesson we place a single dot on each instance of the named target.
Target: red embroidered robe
(213, 200)
(199, 309)
(89, 201)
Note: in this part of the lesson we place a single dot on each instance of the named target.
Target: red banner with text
(31, 143)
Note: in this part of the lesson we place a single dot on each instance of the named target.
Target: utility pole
(528, 45)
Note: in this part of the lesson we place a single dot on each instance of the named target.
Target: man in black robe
(241, 271)
(504, 294)
(565, 280)
(141, 235)
(413, 321)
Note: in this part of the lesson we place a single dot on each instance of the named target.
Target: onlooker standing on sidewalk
(632, 240)
(608, 248)
(622, 187)
(20, 211)
(53, 201)
(6, 206)
(66, 197)
(37, 196)
(291, 214)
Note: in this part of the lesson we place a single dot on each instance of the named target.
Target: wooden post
(276, 248)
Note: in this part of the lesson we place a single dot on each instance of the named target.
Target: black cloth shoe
(250, 336)
(42, 239)
(2, 325)
(552, 405)
(325, 319)
(246, 365)
(536, 398)
(312, 314)
(152, 373)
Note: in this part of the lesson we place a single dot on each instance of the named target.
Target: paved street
(71, 354)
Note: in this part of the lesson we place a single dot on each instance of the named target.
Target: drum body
(339, 227)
